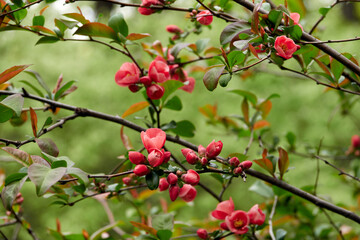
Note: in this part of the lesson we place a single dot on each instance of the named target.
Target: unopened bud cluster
(204, 154)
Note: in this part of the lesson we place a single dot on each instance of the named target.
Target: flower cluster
(153, 140)
(175, 30)
(236, 221)
(204, 154)
(238, 167)
(146, 4)
(187, 192)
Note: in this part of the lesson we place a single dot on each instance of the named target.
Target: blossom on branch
(204, 17)
(285, 47)
(127, 75)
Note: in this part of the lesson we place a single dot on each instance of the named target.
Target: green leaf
(280, 234)
(235, 58)
(262, 189)
(170, 86)
(323, 11)
(52, 159)
(294, 31)
(15, 102)
(47, 39)
(275, 16)
(211, 77)
(18, 15)
(174, 104)
(48, 146)
(337, 69)
(77, 16)
(291, 138)
(118, 24)
(60, 25)
(164, 234)
(18, 155)
(163, 221)
(201, 44)
(44, 177)
(9, 192)
(37, 76)
(15, 177)
(38, 20)
(232, 30)
(63, 89)
(152, 180)
(38, 92)
(80, 174)
(57, 164)
(225, 79)
(248, 95)
(170, 125)
(95, 29)
(184, 128)
(177, 48)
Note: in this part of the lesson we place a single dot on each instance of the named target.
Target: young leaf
(248, 95)
(225, 79)
(211, 77)
(170, 86)
(135, 108)
(33, 118)
(47, 39)
(48, 146)
(11, 72)
(18, 155)
(78, 17)
(137, 36)
(275, 16)
(37, 76)
(261, 124)
(15, 177)
(283, 162)
(118, 24)
(174, 104)
(95, 29)
(59, 93)
(38, 20)
(245, 110)
(144, 227)
(80, 174)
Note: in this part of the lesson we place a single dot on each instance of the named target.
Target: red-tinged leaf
(211, 77)
(223, 53)
(193, 47)
(261, 124)
(264, 153)
(265, 108)
(209, 111)
(137, 36)
(144, 227)
(40, 160)
(43, 30)
(266, 164)
(58, 83)
(96, 29)
(48, 146)
(33, 118)
(245, 110)
(135, 108)
(337, 68)
(125, 139)
(18, 155)
(157, 46)
(43, 10)
(78, 17)
(283, 162)
(253, 51)
(255, 19)
(212, 50)
(323, 67)
(11, 72)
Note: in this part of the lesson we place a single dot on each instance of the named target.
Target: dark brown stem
(8, 224)
(332, 41)
(322, 18)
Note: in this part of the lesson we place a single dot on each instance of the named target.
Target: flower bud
(163, 184)
(204, 17)
(141, 170)
(256, 215)
(204, 161)
(185, 151)
(192, 158)
(224, 226)
(172, 179)
(355, 141)
(155, 158)
(155, 91)
(246, 164)
(187, 193)
(136, 157)
(234, 161)
(167, 156)
(201, 151)
(126, 180)
(202, 233)
(191, 177)
(237, 171)
(146, 81)
(214, 149)
(134, 88)
(174, 192)
(173, 29)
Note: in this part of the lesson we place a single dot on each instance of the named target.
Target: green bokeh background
(303, 108)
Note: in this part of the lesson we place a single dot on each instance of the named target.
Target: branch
(28, 228)
(333, 224)
(23, 7)
(331, 41)
(8, 223)
(90, 113)
(271, 217)
(322, 17)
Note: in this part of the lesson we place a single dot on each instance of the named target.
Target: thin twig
(3, 235)
(333, 224)
(28, 228)
(317, 168)
(23, 7)
(8, 223)
(271, 232)
(331, 41)
(322, 17)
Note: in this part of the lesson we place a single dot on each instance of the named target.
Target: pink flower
(204, 17)
(174, 192)
(173, 29)
(191, 177)
(355, 141)
(189, 85)
(204, 161)
(159, 71)
(285, 47)
(153, 138)
(214, 149)
(234, 161)
(136, 157)
(172, 179)
(256, 215)
(202, 233)
(246, 164)
(155, 91)
(127, 75)
(224, 226)
(145, 80)
(223, 209)
(296, 18)
(163, 184)
(156, 157)
(187, 193)
(147, 3)
(185, 151)
(237, 222)
(141, 170)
